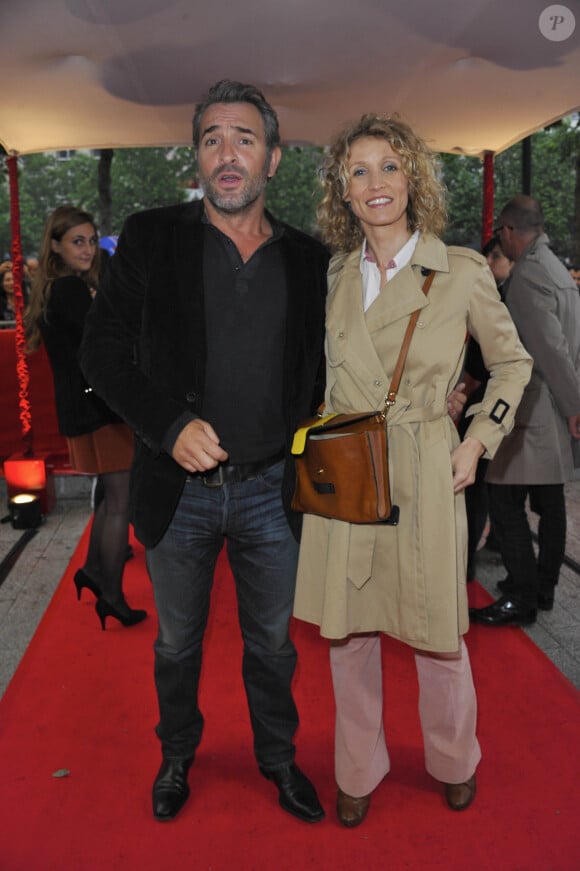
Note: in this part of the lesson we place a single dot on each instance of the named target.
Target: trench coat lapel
(404, 294)
(345, 307)
(345, 317)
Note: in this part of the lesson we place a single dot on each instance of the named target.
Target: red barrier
(46, 437)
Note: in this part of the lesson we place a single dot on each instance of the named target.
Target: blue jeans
(263, 557)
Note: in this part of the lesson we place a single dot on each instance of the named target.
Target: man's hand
(464, 461)
(574, 426)
(456, 400)
(197, 447)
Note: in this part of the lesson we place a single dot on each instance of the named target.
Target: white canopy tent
(470, 75)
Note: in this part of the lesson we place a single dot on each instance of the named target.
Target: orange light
(30, 475)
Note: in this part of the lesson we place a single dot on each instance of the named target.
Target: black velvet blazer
(144, 347)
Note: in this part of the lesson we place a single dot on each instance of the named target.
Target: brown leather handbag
(342, 467)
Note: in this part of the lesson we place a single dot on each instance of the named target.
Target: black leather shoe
(297, 794)
(170, 789)
(545, 597)
(504, 612)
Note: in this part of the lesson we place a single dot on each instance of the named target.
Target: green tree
(143, 178)
(507, 176)
(140, 178)
(555, 182)
(45, 182)
(293, 194)
(555, 154)
(463, 177)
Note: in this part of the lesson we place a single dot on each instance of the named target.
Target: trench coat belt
(401, 413)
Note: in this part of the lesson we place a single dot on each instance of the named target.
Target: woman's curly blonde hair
(426, 211)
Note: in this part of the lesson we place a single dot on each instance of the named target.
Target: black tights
(110, 535)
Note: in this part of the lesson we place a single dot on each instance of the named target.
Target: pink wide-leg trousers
(447, 712)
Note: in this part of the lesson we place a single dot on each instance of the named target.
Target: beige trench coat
(409, 580)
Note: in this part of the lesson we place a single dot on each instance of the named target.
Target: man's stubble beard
(237, 201)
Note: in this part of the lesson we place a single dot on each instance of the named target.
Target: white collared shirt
(371, 276)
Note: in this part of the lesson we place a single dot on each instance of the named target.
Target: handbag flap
(325, 424)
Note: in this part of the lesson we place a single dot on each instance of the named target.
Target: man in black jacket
(207, 338)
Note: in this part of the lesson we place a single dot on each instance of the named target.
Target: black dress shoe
(504, 612)
(170, 789)
(545, 597)
(297, 794)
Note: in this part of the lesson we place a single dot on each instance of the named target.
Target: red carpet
(82, 700)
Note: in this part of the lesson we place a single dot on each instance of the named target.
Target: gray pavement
(29, 586)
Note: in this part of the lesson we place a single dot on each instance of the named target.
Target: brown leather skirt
(108, 449)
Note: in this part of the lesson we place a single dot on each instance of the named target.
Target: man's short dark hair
(523, 213)
(490, 245)
(227, 91)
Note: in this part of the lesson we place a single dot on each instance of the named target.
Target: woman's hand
(464, 461)
(456, 400)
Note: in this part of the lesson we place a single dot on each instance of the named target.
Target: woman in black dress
(98, 442)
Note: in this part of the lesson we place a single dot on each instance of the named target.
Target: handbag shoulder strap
(396, 379)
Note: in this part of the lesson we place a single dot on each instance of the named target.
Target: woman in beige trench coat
(382, 213)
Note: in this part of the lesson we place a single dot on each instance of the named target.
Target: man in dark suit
(536, 459)
(207, 338)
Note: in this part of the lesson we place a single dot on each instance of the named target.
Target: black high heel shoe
(120, 611)
(81, 579)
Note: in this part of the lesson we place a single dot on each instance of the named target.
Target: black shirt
(245, 306)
